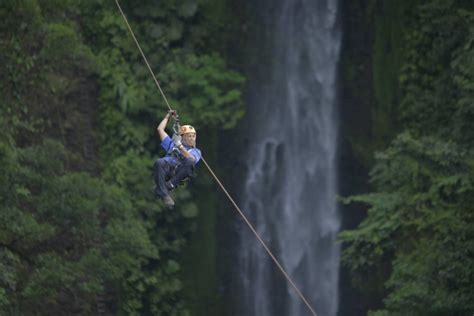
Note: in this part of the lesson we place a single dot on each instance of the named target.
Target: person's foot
(170, 186)
(168, 201)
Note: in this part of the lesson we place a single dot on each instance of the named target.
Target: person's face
(189, 139)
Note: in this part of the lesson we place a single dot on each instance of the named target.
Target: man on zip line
(179, 161)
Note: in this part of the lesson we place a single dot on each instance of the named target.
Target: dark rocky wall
(371, 54)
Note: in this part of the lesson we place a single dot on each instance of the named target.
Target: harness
(174, 151)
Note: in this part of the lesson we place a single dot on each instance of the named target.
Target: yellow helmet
(186, 129)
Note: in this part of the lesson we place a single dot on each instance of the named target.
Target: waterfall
(290, 189)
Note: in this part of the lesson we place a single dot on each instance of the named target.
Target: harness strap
(176, 123)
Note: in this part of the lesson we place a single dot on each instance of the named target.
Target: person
(180, 159)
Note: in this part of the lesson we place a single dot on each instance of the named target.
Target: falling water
(290, 188)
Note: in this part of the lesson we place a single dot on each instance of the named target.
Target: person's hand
(176, 140)
(171, 113)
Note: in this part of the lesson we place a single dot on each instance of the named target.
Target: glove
(176, 140)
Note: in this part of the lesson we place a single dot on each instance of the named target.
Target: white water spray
(290, 190)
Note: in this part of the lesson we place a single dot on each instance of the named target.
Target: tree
(418, 238)
(80, 225)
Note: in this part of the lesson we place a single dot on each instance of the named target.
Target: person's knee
(187, 167)
(160, 163)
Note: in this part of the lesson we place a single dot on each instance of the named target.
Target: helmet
(186, 129)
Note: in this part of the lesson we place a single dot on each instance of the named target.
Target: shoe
(168, 201)
(170, 186)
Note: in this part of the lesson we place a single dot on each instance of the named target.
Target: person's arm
(161, 127)
(186, 153)
(177, 143)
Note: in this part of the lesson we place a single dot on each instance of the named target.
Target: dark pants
(163, 171)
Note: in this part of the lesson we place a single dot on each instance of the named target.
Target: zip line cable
(143, 55)
(252, 228)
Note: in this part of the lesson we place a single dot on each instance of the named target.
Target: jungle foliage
(81, 232)
(415, 249)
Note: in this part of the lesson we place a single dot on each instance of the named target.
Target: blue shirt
(167, 145)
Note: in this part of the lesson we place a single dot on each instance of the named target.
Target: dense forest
(413, 254)
(81, 230)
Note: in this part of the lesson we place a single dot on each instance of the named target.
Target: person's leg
(184, 170)
(160, 169)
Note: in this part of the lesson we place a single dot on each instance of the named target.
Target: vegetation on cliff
(416, 247)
